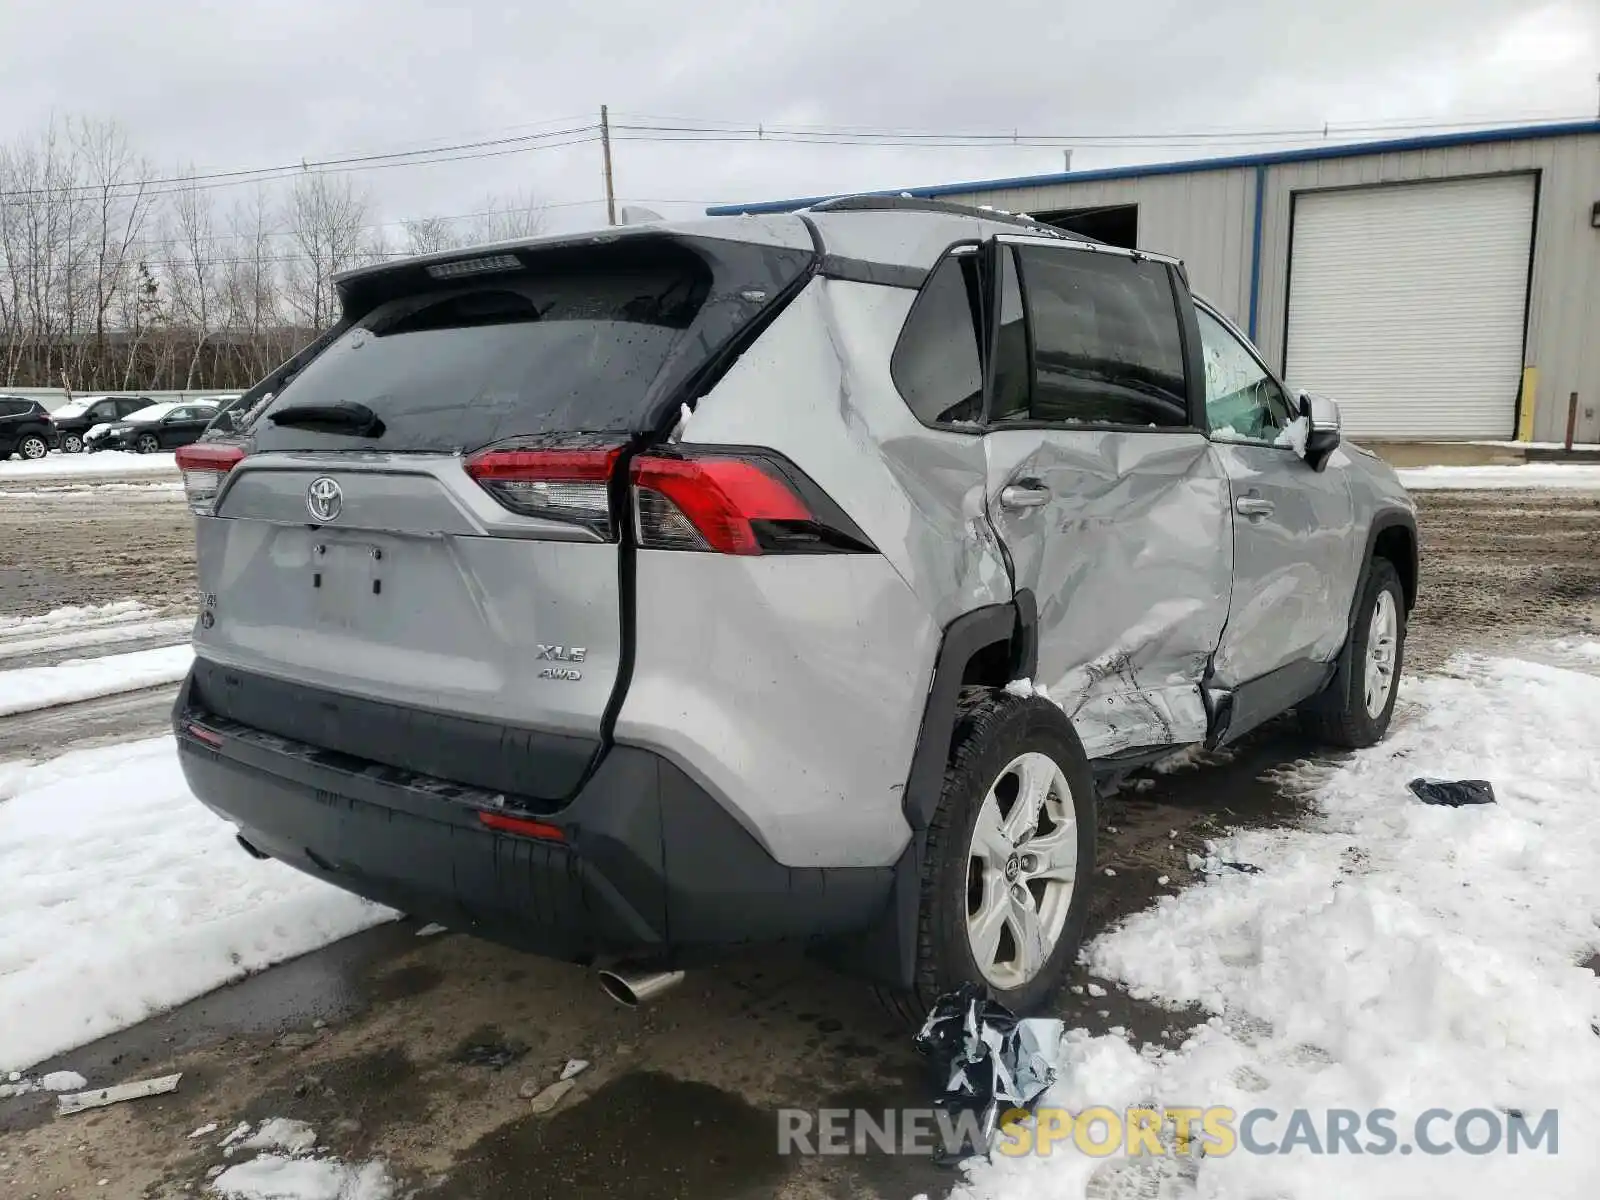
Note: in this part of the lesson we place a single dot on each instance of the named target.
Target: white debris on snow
(54, 1081)
(279, 1177)
(124, 896)
(1579, 476)
(1389, 955)
(431, 930)
(106, 462)
(32, 688)
(280, 1133)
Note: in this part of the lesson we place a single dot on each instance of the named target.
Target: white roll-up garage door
(1407, 303)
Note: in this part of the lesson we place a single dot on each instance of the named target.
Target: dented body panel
(1130, 562)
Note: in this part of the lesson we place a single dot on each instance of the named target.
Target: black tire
(1339, 715)
(146, 443)
(71, 443)
(992, 730)
(32, 446)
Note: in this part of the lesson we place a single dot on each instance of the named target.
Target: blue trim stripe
(1516, 133)
(1255, 248)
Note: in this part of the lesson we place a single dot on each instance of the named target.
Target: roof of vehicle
(155, 412)
(899, 231)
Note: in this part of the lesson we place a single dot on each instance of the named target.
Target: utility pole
(605, 150)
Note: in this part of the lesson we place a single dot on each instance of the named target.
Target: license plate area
(347, 581)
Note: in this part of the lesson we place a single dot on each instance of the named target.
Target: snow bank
(1390, 955)
(74, 616)
(276, 1177)
(107, 462)
(1579, 476)
(124, 896)
(85, 678)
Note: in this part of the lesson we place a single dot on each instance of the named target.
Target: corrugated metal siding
(1204, 218)
(1565, 294)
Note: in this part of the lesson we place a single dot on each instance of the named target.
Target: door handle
(1029, 493)
(1253, 506)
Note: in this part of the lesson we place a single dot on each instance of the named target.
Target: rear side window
(573, 342)
(1107, 345)
(936, 364)
(12, 408)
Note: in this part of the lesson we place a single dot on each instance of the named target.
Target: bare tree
(506, 218)
(429, 235)
(194, 270)
(327, 221)
(118, 201)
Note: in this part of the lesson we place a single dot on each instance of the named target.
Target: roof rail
(918, 204)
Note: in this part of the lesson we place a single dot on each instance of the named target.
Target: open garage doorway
(1115, 224)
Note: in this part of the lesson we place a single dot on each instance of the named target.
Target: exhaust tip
(617, 988)
(631, 991)
(251, 850)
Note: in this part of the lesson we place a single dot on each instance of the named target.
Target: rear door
(448, 565)
(1293, 534)
(1103, 489)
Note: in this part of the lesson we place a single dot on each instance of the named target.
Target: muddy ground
(414, 1049)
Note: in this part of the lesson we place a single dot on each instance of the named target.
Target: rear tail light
(561, 485)
(204, 467)
(735, 504)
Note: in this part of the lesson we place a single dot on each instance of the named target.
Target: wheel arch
(986, 647)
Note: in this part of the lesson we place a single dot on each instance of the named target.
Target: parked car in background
(25, 428)
(158, 427)
(76, 417)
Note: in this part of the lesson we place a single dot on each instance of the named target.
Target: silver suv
(634, 596)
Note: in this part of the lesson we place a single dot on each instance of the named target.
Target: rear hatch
(413, 553)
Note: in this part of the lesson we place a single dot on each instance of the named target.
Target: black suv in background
(25, 428)
(77, 417)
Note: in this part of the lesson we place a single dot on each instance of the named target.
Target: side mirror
(1322, 435)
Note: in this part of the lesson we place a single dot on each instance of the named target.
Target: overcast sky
(248, 84)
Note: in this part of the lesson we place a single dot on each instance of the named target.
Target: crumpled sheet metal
(986, 1059)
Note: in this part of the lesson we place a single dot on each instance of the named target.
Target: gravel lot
(369, 1040)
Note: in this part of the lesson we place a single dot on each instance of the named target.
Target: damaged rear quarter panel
(816, 387)
(1131, 563)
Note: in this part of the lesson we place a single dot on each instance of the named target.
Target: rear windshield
(570, 343)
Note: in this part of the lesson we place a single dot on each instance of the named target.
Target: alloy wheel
(1021, 869)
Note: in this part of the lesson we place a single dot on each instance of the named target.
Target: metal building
(1443, 287)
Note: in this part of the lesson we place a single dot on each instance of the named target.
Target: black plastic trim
(651, 867)
(861, 270)
(1258, 700)
(535, 768)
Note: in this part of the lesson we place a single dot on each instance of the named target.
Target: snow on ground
(1580, 476)
(124, 896)
(1390, 954)
(106, 462)
(135, 628)
(95, 487)
(74, 616)
(289, 1172)
(31, 688)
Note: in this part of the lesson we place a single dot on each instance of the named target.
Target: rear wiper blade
(344, 417)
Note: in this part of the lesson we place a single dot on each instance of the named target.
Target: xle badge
(562, 654)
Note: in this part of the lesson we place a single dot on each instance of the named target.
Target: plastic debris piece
(575, 1066)
(1453, 793)
(100, 1097)
(986, 1061)
(208, 1127)
(551, 1096)
(431, 930)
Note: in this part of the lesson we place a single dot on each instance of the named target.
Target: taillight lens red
(560, 485)
(204, 466)
(708, 503)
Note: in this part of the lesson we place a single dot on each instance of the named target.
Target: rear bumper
(642, 864)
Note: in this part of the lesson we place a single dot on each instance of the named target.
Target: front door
(1292, 525)
(1103, 488)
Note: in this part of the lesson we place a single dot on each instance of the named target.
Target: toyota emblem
(324, 498)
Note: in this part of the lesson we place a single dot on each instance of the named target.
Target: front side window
(1243, 402)
(1106, 342)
